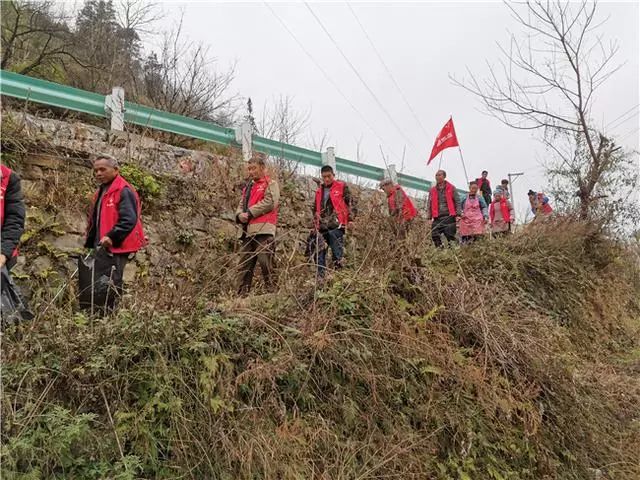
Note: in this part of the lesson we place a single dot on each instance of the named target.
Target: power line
(628, 134)
(323, 71)
(619, 117)
(355, 70)
(388, 70)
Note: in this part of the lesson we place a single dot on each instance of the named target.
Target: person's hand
(349, 225)
(106, 242)
(3, 260)
(243, 217)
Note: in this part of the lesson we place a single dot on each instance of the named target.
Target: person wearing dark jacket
(12, 214)
(443, 209)
(114, 221)
(484, 185)
(333, 211)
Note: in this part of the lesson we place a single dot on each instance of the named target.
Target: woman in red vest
(258, 214)
(401, 207)
(501, 214)
(539, 204)
(474, 215)
(12, 213)
(332, 213)
(114, 222)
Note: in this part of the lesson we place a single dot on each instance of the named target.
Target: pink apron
(472, 222)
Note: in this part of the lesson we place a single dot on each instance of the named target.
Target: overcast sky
(421, 43)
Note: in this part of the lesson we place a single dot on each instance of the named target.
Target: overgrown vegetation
(515, 359)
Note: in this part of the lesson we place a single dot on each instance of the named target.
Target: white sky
(422, 43)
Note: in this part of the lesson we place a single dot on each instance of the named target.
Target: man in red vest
(401, 207)
(12, 213)
(443, 209)
(114, 221)
(484, 185)
(258, 214)
(332, 212)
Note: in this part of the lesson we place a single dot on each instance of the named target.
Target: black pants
(444, 224)
(256, 249)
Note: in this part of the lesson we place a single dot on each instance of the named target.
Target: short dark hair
(326, 168)
(504, 180)
(473, 182)
(259, 159)
(484, 171)
(443, 173)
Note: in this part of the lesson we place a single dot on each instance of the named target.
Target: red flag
(445, 139)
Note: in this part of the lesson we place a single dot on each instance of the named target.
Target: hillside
(514, 359)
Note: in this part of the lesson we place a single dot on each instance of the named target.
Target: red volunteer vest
(544, 207)
(4, 183)
(503, 207)
(257, 195)
(337, 200)
(409, 211)
(109, 216)
(433, 197)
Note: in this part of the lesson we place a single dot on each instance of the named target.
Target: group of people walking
(115, 232)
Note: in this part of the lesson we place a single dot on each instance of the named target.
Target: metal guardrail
(70, 98)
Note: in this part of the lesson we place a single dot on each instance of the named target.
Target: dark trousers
(335, 242)
(444, 224)
(256, 249)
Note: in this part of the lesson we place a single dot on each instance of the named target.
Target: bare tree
(138, 15)
(282, 121)
(182, 79)
(35, 37)
(546, 79)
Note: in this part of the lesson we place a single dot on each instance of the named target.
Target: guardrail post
(391, 171)
(329, 157)
(243, 137)
(114, 104)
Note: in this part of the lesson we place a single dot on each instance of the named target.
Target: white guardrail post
(329, 158)
(114, 104)
(243, 137)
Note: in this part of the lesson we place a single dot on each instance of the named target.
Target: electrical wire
(620, 116)
(324, 73)
(357, 73)
(388, 70)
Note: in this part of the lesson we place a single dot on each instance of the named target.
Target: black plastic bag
(100, 281)
(14, 308)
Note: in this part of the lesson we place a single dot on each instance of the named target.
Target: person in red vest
(258, 214)
(332, 211)
(401, 207)
(539, 204)
(443, 209)
(114, 220)
(484, 185)
(501, 214)
(12, 213)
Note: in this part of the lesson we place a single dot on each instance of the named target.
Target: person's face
(327, 178)
(497, 197)
(255, 170)
(505, 185)
(388, 189)
(484, 174)
(439, 177)
(103, 171)
(473, 189)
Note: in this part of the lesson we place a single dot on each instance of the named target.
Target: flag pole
(463, 165)
(440, 161)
